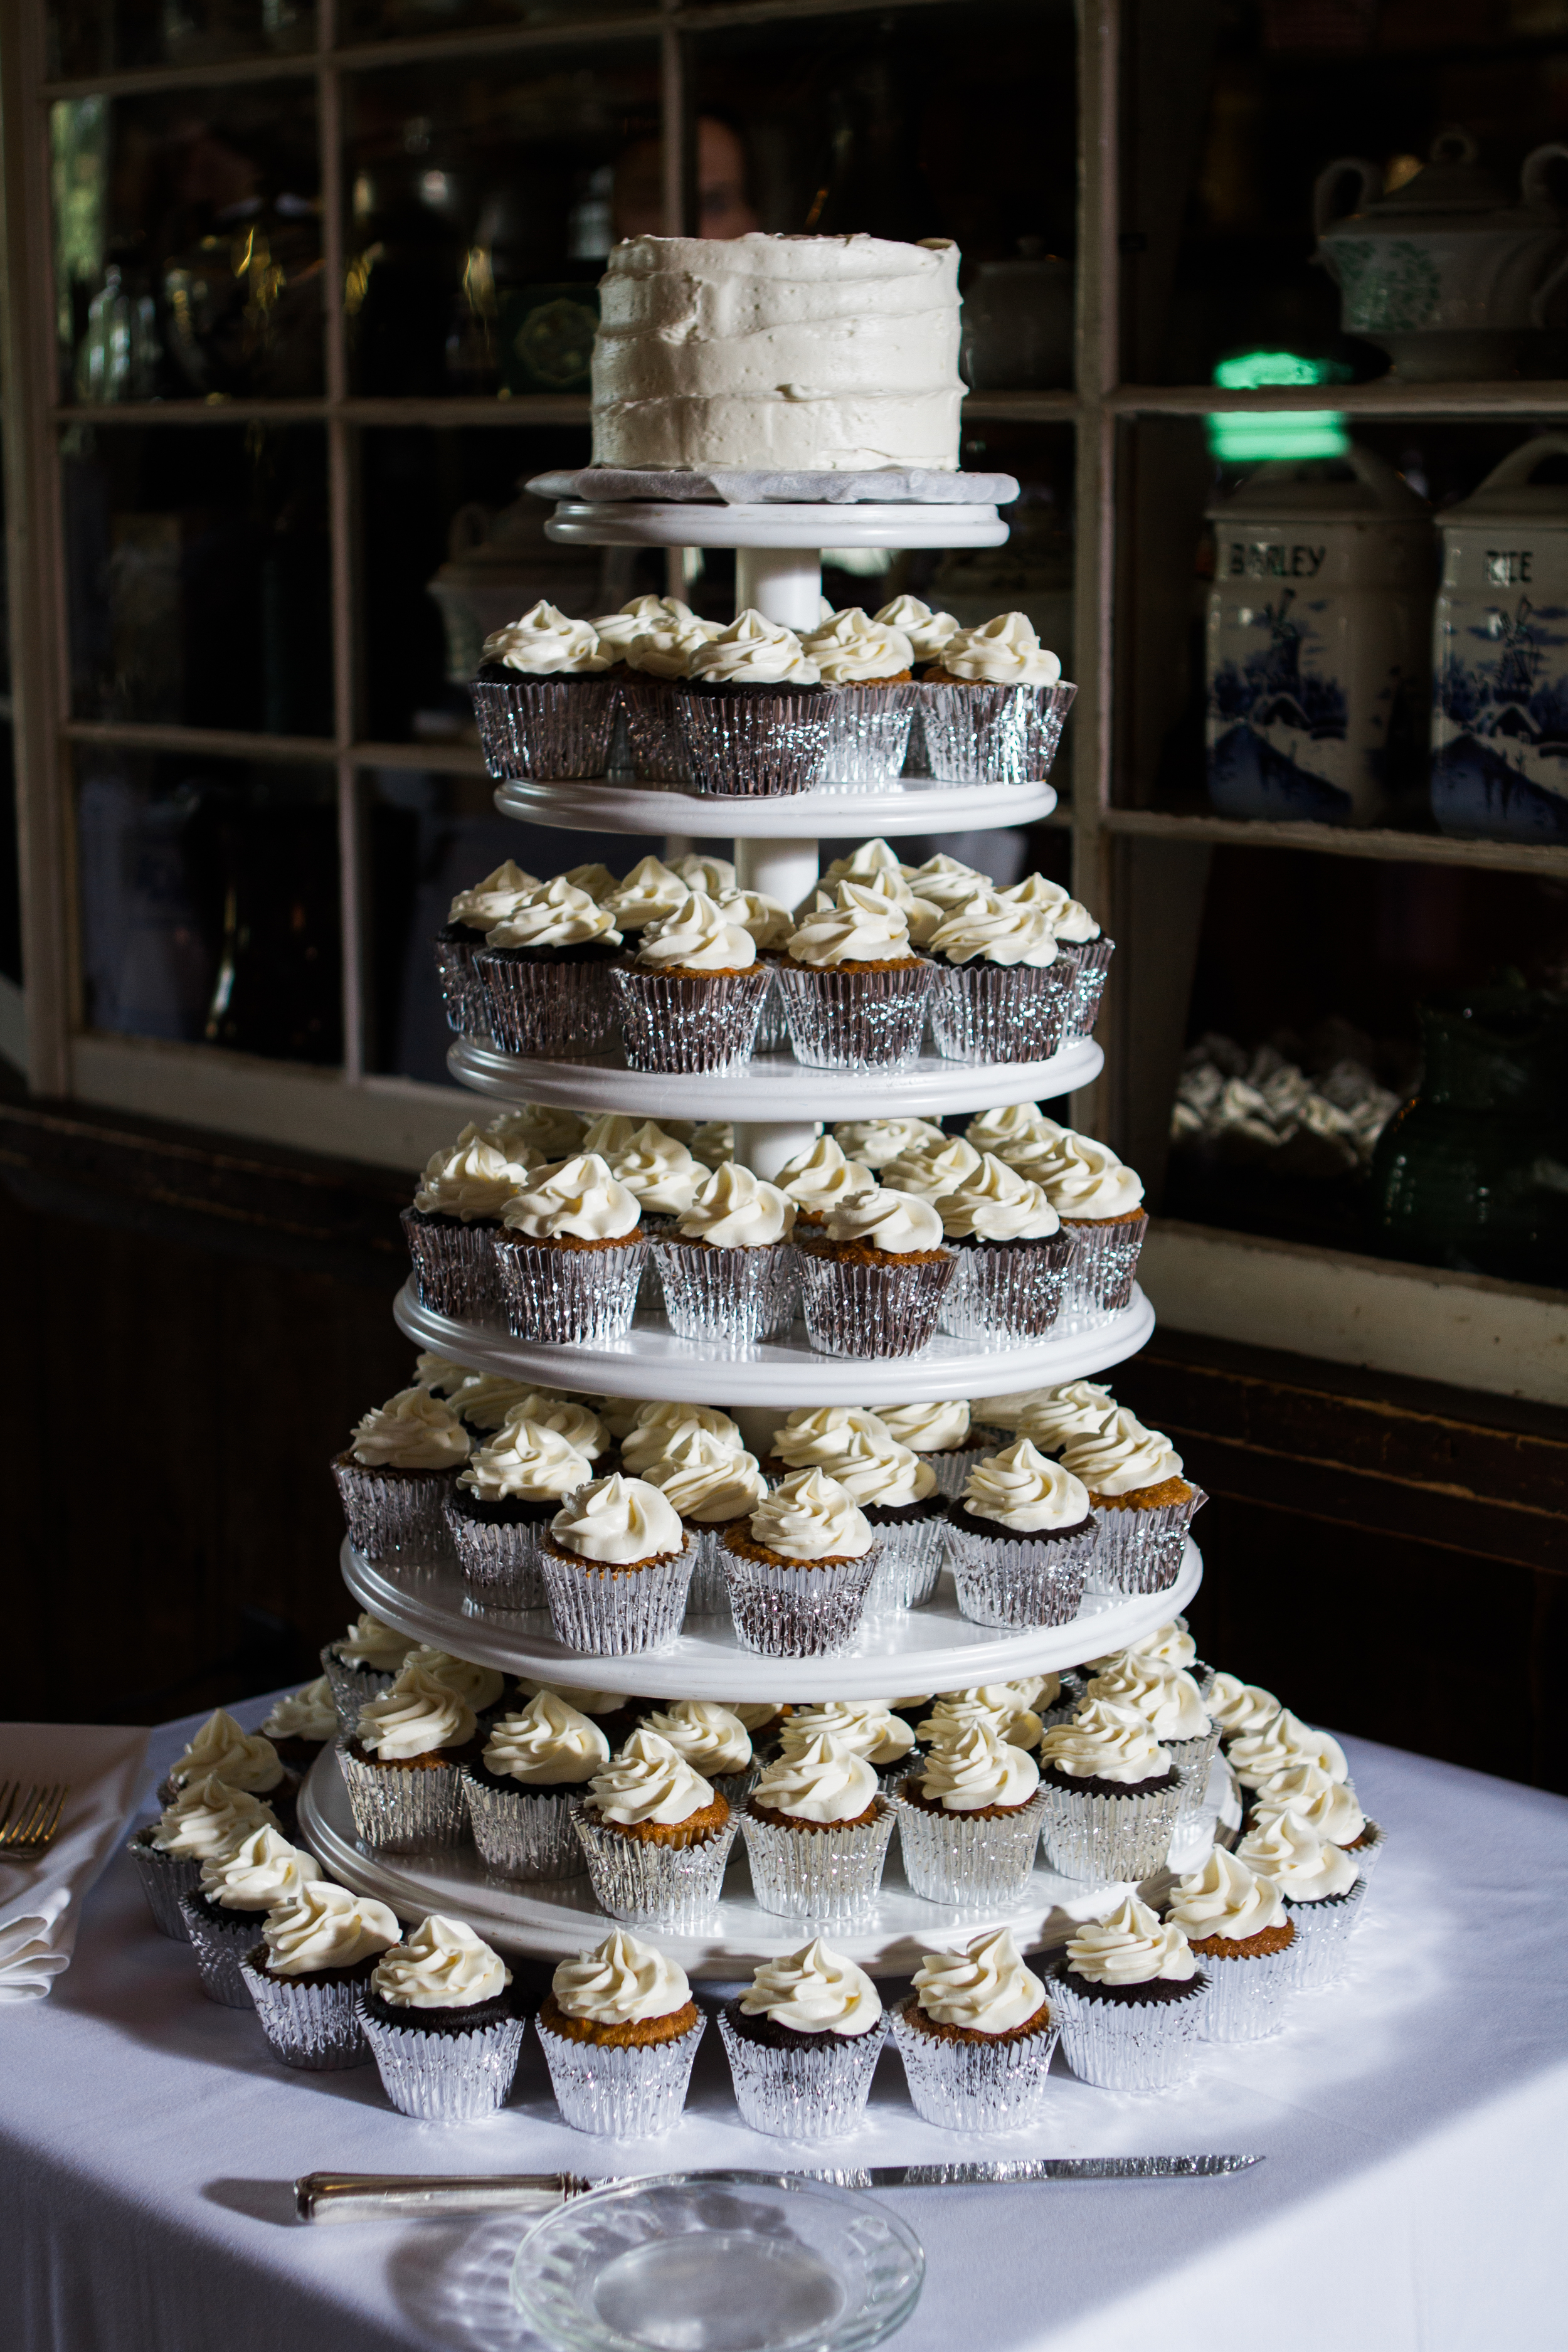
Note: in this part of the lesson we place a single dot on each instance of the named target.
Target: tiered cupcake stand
(773, 1105)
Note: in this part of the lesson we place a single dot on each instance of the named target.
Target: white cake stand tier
(832, 811)
(920, 1650)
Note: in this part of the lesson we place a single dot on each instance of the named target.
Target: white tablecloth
(1414, 2122)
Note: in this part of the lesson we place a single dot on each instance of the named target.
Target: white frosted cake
(827, 353)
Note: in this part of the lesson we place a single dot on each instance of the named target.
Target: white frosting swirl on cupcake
(647, 895)
(486, 1401)
(592, 876)
(814, 1991)
(997, 1707)
(769, 920)
(660, 1171)
(982, 1987)
(990, 929)
(753, 651)
(874, 1470)
(370, 1644)
(1328, 1808)
(813, 1436)
(417, 1716)
(899, 1224)
(548, 1744)
(261, 1871)
(927, 631)
(994, 1203)
(622, 1981)
(708, 1482)
(1082, 1177)
(940, 1427)
(650, 1780)
(1106, 1742)
(477, 1687)
(821, 1780)
(482, 907)
(615, 1521)
(877, 1141)
(412, 1430)
(1224, 1898)
(698, 938)
(865, 1726)
(1068, 919)
(243, 1759)
(976, 1767)
(560, 915)
(1024, 1491)
(930, 1169)
(568, 1417)
(853, 650)
(1120, 1456)
(945, 882)
(1130, 1947)
(808, 1516)
(308, 1713)
(1002, 651)
(818, 1178)
(526, 1463)
(709, 1736)
(474, 1179)
(1168, 1700)
(618, 629)
(580, 1198)
(551, 1129)
(1002, 1130)
(442, 1965)
(546, 644)
(735, 1210)
(1256, 1755)
(209, 1818)
(1305, 1867)
(664, 648)
(324, 1925)
(860, 927)
(1237, 1706)
(656, 1426)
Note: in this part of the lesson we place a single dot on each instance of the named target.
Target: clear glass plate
(718, 2262)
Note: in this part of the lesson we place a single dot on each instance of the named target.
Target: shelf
(554, 1919)
(910, 806)
(651, 1362)
(774, 1086)
(1381, 842)
(926, 1650)
(1388, 396)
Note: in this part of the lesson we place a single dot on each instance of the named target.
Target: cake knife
(391, 2196)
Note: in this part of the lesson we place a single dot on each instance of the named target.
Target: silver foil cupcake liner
(1104, 1841)
(706, 1024)
(404, 1809)
(1008, 1580)
(740, 1296)
(555, 730)
(829, 1876)
(708, 1595)
(611, 1613)
(998, 1013)
(1104, 1266)
(1365, 1857)
(1008, 1290)
(444, 2078)
(976, 1865)
(453, 1266)
(1090, 963)
(993, 734)
(1140, 1551)
(620, 2093)
(1324, 1931)
(1247, 1998)
(166, 1879)
(912, 1551)
(220, 1949)
(653, 1886)
(526, 1835)
(500, 1559)
(397, 1517)
(797, 1610)
(461, 1000)
(852, 1308)
(869, 737)
(773, 1021)
(992, 2086)
(953, 1466)
(754, 745)
(570, 1298)
(816, 2091)
(1125, 2045)
(315, 2027)
(648, 709)
(1192, 1758)
(352, 1686)
(859, 1021)
(546, 1010)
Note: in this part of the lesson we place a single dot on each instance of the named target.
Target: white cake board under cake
(918, 1650)
(830, 812)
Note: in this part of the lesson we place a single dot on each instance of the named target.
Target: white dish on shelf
(771, 523)
(651, 1362)
(773, 1086)
(551, 1919)
(832, 811)
(929, 1649)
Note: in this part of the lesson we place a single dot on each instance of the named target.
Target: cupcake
(659, 659)
(403, 1764)
(649, 893)
(362, 1664)
(873, 1281)
(664, 1178)
(478, 1687)
(440, 2026)
(817, 1179)
(969, 1820)
(450, 1230)
(205, 1820)
(1329, 1808)
(614, 1713)
(508, 1492)
(1143, 1505)
(802, 2041)
(656, 1836)
(316, 1949)
(1020, 1539)
(752, 716)
(992, 704)
(616, 1564)
(1000, 993)
(1100, 1205)
(223, 1913)
(691, 994)
(1168, 1700)
(522, 1791)
(1132, 2002)
(1239, 1707)
(1172, 1648)
(714, 1742)
(977, 2036)
(303, 1722)
(1238, 1926)
(818, 1831)
(1082, 950)
(945, 882)
(394, 1475)
(570, 1255)
(240, 1760)
(545, 974)
(1322, 1890)
(875, 1142)
(1111, 1796)
(544, 706)
(472, 913)
(619, 2030)
(653, 1426)
(799, 1569)
(871, 664)
(866, 1726)
(1012, 1257)
(709, 1484)
(728, 1266)
(810, 1436)
(948, 1435)
(853, 987)
(902, 1504)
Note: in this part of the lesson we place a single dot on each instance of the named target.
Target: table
(1415, 2122)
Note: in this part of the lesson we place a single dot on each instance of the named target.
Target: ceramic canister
(1500, 655)
(1318, 623)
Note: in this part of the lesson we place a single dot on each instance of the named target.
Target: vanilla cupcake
(302, 1722)
(1001, 993)
(1012, 1257)
(362, 1664)
(751, 715)
(617, 1563)
(871, 664)
(1144, 1506)
(1020, 1539)
(874, 1279)
(866, 1726)
(223, 1913)
(472, 913)
(440, 2026)
(770, 923)
(522, 1790)
(451, 1227)
(205, 1820)
(1132, 2002)
(1170, 1705)
(690, 994)
(661, 1172)
(656, 1836)
(1322, 1889)
(977, 2036)
(949, 1437)
(728, 1266)
(1100, 1200)
(1238, 1926)
(853, 987)
(802, 2041)
(1112, 1793)
(993, 705)
(710, 1485)
(544, 973)
(969, 1820)
(394, 1475)
(317, 1949)
(714, 1742)
(509, 1491)
(799, 1569)
(403, 1766)
(570, 1255)
(619, 2031)
(544, 706)
(818, 1831)
(875, 1141)
(899, 1497)
(817, 1179)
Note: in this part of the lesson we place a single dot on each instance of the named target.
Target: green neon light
(1243, 437)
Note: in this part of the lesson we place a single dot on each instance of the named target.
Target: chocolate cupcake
(818, 1833)
(1020, 1539)
(394, 1475)
(1144, 1506)
(1239, 1707)
(1132, 2002)
(1112, 1794)
(652, 1427)
(472, 913)
(1169, 1701)
(508, 1493)
(545, 706)
(619, 2031)
(316, 1951)
(799, 1569)
(657, 659)
(1001, 993)
(752, 716)
(691, 993)
(1278, 1743)
(617, 1566)
(866, 1726)
(1012, 1257)
(404, 1765)
(223, 1913)
(728, 1267)
(1238, 1926)
(544, 973)
(873, 1284)
(655, 1834)
(948, 1435)
(1322, 1889)
(570, 1255)
(1083, 952)
(451, 1227)
(239, 1758)
(205, 1821)
(896, 1492)
(302, 1723)
(440, 2025)
(1100, 1200)
(802, 2042)
(977, 2036)
(969, 1820)
(854, 990)
(522, 1792)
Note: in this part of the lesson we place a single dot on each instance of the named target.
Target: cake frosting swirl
(900, 1223)
(984, 1986)
(991, 930)
(527, 1463)
(711, 1738)
(861, 926)
(1130, 1947)
(753, 651)
(1305, 1867)
(976, 1767)
(808, 1516)
(656, 1425)
(616, 1520)
(580, 1198)
(927, 631)
(474, 1179)
(735, 1210)
(480, 908)
(650, 1780)
(207, 1818)
(545, 643)
(1120, 1456)
(818, 1178)
(1224, 1898)
(866, 1726)
(1049, 1417)
(442, 1965)
(814, 1991)
(707, 1480)
(1106, 1742)
(622, 1981)
(417, 1716)
(698, 937)
(1284, 1740)
(243, 1759)
(1020, 1488)
(659, 1170)
(1168, 1700)
(1329, 1808)
(1002, 651)
(369, 1643)
(561, 915)
(308, 1713)
(994, 1203)
(412, 1430)
(1237, 1706)
(261, 1871)
(649, 893)
(547, 1744)
(851, 649)
(323, 1925)
(824, 1781)
(940, 1427)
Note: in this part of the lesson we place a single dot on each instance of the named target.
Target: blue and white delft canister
(1318, 626)
(1500, 655)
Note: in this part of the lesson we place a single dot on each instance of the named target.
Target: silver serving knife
(392, 2196)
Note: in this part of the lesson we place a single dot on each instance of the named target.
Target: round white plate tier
(651, 1362)
(688, 522)
(929, 1649)
(551, 1919)
(830, 812)
(774, 1086)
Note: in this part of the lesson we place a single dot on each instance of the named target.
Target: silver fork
(30, 1819)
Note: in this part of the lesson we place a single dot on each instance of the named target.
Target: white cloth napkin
(40, 1904)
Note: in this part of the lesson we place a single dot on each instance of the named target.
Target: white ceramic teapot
(1444, 273)
(1500, 655)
